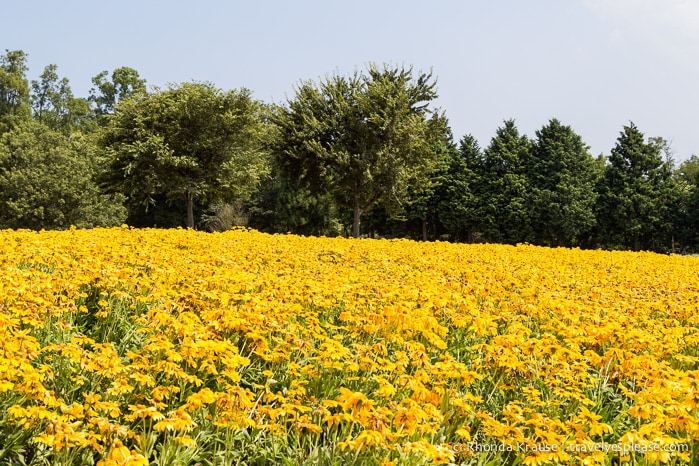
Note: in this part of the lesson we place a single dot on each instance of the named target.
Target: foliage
(460, 206)
(281, 205)
(47, 181)
(562, 178)
(366, 149)
(421, 207)
(506, 199)
(636, 193)
(125, 82)
(686, 177)
(54, 105)
(688, 171)
(363, 139)
(14, 89)
(125, 346)
(225, 216)
(192, 142)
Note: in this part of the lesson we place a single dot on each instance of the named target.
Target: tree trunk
(357, 217)
(190, 210)
(424, 229)
(636, 242)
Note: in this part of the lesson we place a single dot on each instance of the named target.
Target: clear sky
(593, 64)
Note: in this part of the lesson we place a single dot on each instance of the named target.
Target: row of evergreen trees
(548, 190)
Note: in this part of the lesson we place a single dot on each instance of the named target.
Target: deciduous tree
(14, 89)
(125, 82)
(364, 138)
(47, 180)
(53, 102)
(191, 141)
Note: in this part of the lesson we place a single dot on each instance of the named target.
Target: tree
(422, 203)
(47, 181)
(191, 141)
(460, 192)
(53, 102)
(280, 205)
(125, 82)
(562, 180)
(363, 139)
(14, 89)
(505, 199)
(688, 171)
(636, 193)
(671, 200)
(687, 179)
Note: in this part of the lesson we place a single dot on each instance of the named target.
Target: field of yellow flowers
(124, 346)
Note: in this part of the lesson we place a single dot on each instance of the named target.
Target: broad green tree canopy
(125, 82)
(363, 138)
(54, 105)
(47, 181)
(14, 89)
(191, 141)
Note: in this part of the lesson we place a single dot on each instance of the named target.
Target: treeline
(360, 155)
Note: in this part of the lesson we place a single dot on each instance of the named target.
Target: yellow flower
(120, 455)
(187, 441)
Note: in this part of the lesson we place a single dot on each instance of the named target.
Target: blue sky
(593, 64)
